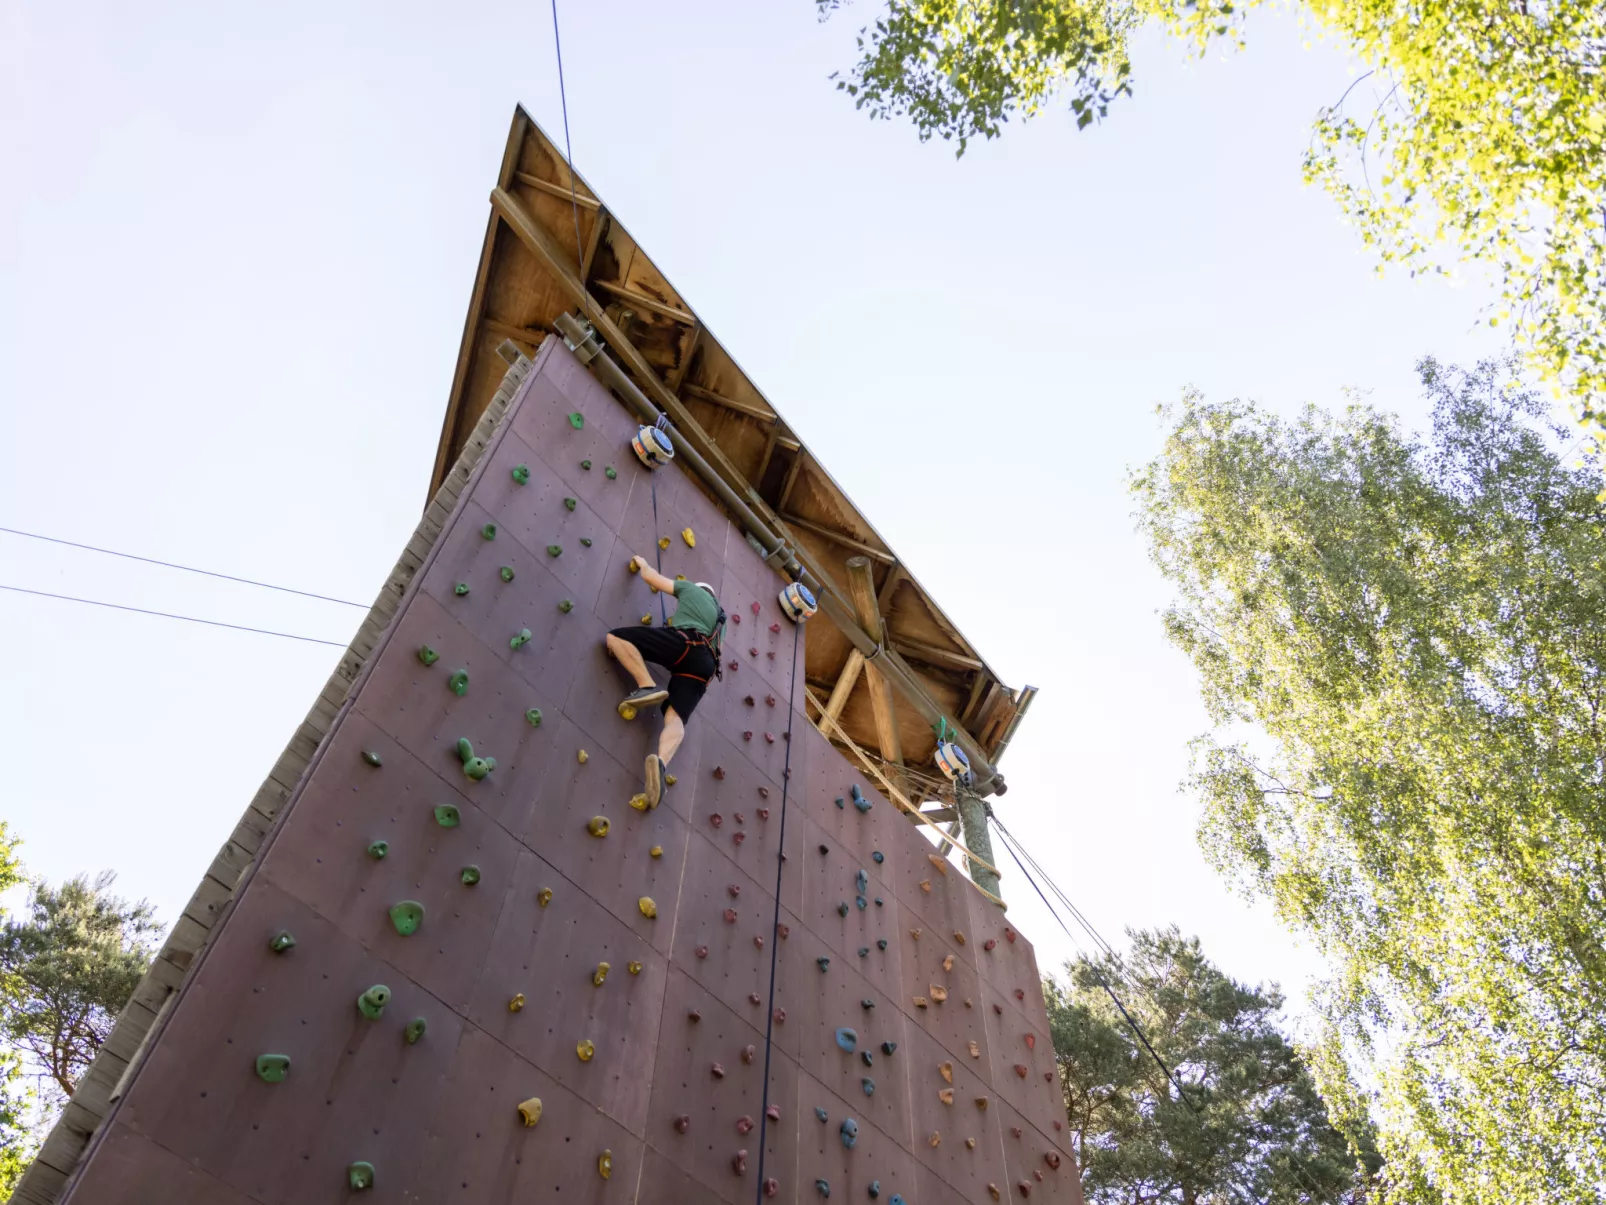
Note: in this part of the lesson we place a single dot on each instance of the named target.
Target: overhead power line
(214, 623)
(227, 577)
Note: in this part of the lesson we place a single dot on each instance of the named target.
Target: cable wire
(568, 154)
(214, 623)
(228, 577)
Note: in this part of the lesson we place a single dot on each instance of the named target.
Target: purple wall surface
(964, 1108)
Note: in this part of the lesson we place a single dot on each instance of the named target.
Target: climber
(688, 647)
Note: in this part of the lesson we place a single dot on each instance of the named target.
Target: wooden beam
(847, 541)
(561, 191)
(599, 225)
(444, 456)
(977, 710)
(674, 380)
(932, 655)
(507, 330)
(764, 460)
(728, 403)
(642, 301)
(883, 600)
(977, 685)
(791, 479)
(861, 590)
(845, 682)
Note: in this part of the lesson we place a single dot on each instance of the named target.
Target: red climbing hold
(717, 1071)
(1021, 1069)
(748, 735)
(773, 1112)
(715, 819)
(989, 944)
(749, 1053)
(769, 700)
(735, 665)
(738, 837)
(1020, 993)
(730, 916)
(1053, 1160)
(752, 652)
(772, 1187)
(1058, 1124)
(1048, 1077)
(744, 1124)
(735, 889)
(1010, 934)
(735, 618)
(775, 627)
(719, 772)
(998, 1008)
(1031, 1041)
(701, 951)
(682, 1124)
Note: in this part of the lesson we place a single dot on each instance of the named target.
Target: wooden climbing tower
(447, 955)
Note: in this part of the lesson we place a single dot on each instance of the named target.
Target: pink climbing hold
(769, 700)
(735, 618)
(735, 665)
(738, 837)
(1031, 1041)
(773, 1112)
(772, 1187)
(1048, 1077)
(1021, 1069)
(744, 1124)
(1025, 1187)
(682, 1124)
(1015, 1130)
(716, 819)
(735, 889)
(752, 652)
(755, 608)
(730, 916)
(754, 998)
(989, 944)
(1058, 1124)
(997, 1008)
(748, 735)
(1020, 993)
(758, 941)
(749, 1053)
(701, 951)
(1010, 934)
(775, 627)
(739, 818)
(763, 813)
(763, 792)
(1053, 1160)
(782, 930)
(780, 1016)
(717, 1071)
(769, 738)
(739, 1163)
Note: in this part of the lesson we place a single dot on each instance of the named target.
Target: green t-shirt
(695, 608)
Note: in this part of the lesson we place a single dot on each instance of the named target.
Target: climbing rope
(775, 925)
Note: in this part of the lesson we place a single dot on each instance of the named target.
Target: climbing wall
(465, 969)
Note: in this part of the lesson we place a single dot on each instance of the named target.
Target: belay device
(798, 602)
(652, 446)
(950, 758)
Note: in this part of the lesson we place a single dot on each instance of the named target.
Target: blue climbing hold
(888, 1047)
(861, 881)
(841, 802)
(896, 1200)
(877, 857)
(859, 801)
(821, 1113)
(823, 1187)
(868, 1085)
(850, 1132)
(847, 1039)
(862, 902)
(875, 1189)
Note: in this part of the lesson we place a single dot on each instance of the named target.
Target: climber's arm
(653, 578)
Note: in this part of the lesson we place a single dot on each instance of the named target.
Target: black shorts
(687, 657)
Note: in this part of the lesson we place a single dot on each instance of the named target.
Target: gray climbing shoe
(655, 779)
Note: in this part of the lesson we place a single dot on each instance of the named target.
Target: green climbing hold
(407, 916)
(371, 1003)
(281, 942)
(867, 1004)
(520, 639)
(585, 541)
(459, 683)
(842, 908)
(475, 767)
(888, 1047)
(534, 717)
(415, 1030)
(570, 503)
(609, 473)
(881, 943)
(823, 962)
(471, 875)
(554, 549)
(372, 758)
(521, 474)
(272, 1068)
(586, 465)
(460, 589)
(864, 951)
(489, 531)
(447, 815)
(378, 849)
(577, 420)
(565, 606)
(360, 1175)
(505, 573)
(428, 655)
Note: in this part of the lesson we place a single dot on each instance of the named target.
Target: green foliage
(1246, 1123)
(19, 1141)
(1416, 625)
(1483, 135)
(69, 964)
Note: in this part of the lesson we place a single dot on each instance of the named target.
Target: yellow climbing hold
(598, 826)
(669, 780)
(940, 863)
(633, 967)
(530, 1110)
(948, 963)
(647, 619)
(946, 1095)
(605, 1165)
(981, 1103)
(583, 757)
(938, 992)
(920, 1002)
(935, 1139)
(544, 896)
(648, 908)
(970, 1144)
(690, 537)
(634, 566)
(657, 851)
(925, 885)
(639, 802)
(975, 1051)
(959, 937)
(585, 1050)
(600, 975)
(515, 1004)
(663, 541)
(946, 1070)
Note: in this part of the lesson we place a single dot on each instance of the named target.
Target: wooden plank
(727, 403)
(791, 479)
(977, 685)
(558, 190)
(861, 590)
(651, 304)
(845, 683)
(599, 225)
(518, 334)
(932, 655)
(847, 541)
(676, 378)
(896, 578)
(465, 353)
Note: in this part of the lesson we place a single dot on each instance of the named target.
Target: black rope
(238, 627)
(775, 925)
(129, 556)
(568, 154)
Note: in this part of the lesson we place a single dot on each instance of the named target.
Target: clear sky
(236, 245)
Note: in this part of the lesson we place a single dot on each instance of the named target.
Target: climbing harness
(775, 927)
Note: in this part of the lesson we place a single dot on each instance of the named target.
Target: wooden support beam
(791, 479)
(561, 191)
(465, 358)
(845, 682)
(861, 590)
(764, 460)
(519, 334)
(651, 304)
(728, 403)
(977, 685)
(588, 259)
(837, 537)
(932, 655)
(674, 380)
(979, 709)
(895, 578)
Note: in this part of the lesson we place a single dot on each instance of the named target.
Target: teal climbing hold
(875, 1189)
(447, 815)
(823, 1187)
(360, 1175)
(609, 473)
(586, 465)
(860, 802)
(458, 683)
(864, 951)
(566, 606)
(888, 1047)
(861, 902)
(861, 880)
(407, 916)
(896, 1200)
(868, 1085)
(823, 962)
(881, 943)
(577, 420)
(371, 1003)
(521, 474)
(570, 503)
(460, 589)
(489, 531)
(378, 849)
(821, 1113)
(867, 1003)
(534, 717)
(877, 856)
(840, 802)
(471, 875)
(554, 549)
(474, 767)
(428, 655)
(272, 1068)
(372, 758)
(867, 1058)
(415, 1030)
(849, 1132)
(281, 942)
(505, 573)
(520, 639)
(847, 1039)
